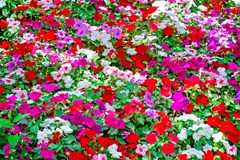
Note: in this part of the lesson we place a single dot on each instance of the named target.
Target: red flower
(168, 148)
(3, 23)
(182, 157)
(226, 127)
(98, 16)
(202, 99)
(76, 156)
(65, 12)
(213, 121)
(129, 109)
(30, 75)
(159, 128)
(165, 91)
(208, 155)
(150, 84)
(48, 79)
(219, 108)
(2, 89)
(173, 137)
(133, 138)
(151, 138)
(29, 63)
(84, 141)
(166, 82)
(34, 3)
(55, 137)
(190, 107)
(153, 26)
(168, 31)
(50, 35)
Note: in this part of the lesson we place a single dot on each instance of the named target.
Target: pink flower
(141, 149)
(24, 108)
(47, 154)
(35, 96)
(7, 149)
(100, 157)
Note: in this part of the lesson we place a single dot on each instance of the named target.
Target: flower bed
(120, 79)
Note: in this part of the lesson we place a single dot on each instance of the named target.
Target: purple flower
(82, 61)
(7, 149)
(77, 118)
(60, 45)
(179, 102)
(151, 113)
(233, 67)
(11, 66)
(97, 128)
(24, 108)
(47, 154)
(106, 27)
(81, 32)
(117, 33)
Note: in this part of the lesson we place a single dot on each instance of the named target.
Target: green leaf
(19, 117)
(5, 123)
(13, 140)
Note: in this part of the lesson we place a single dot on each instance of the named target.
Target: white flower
(221, 81)
(2, 3)
(113, 151)
(183, 134)
(66, 129)
(119, 83)
(131, 51)
(104, 63)
(109, 107)
(163, 54)
(83, 84)
(207, 147)
(217, 137)
(89, 53)
(105, 52)
(138, 38)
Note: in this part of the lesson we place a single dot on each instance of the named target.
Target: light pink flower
(141, 149)
(100, 157)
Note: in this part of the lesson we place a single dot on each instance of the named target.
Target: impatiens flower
(133, 138)
(168, 31)
(202, 99)
(151, 138)
(24, 108)
(100, 157)
(213, 121)
(182, 157)
(232, 150)
(47, 154)
(77, 118)
(168, 148)
(141, 149)
(208, 155)
(173, 137)
(7, 149)
(35, 96)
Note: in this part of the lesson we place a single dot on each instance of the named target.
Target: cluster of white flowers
(68, 81)
(113, 151)
(49, 129)
(103, 37)
(237, 2)
(204, 131)
(187, 117)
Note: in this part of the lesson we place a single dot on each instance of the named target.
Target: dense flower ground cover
(120, 79)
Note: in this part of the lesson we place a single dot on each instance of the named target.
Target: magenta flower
(24, 108)
(35, 112)
(7, 149)
(35, 96)
(47, 154)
